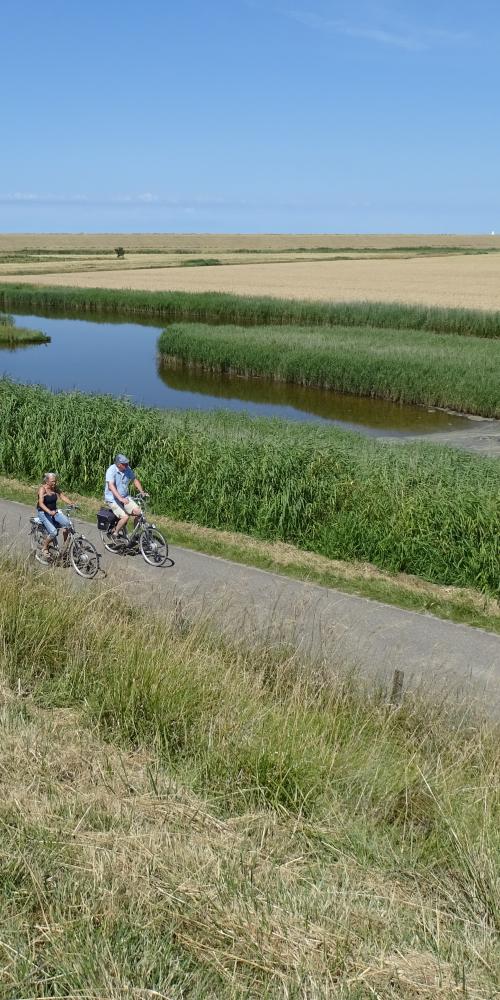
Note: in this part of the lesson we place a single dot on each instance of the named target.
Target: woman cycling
(51, 518)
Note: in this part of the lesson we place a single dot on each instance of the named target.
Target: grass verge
(197, 819)
(403, 366)
(218, 307)
(465, 606)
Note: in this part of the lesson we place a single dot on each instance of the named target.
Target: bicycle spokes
(84, 557)
(154, 547)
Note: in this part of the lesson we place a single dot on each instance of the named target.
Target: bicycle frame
(141, 522)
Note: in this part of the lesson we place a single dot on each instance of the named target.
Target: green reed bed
(196, 818)
(14, 336)
(403, 366)
(415, 508)
(201, 262)
(218, 307)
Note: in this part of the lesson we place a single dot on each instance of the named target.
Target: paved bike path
(343, 630)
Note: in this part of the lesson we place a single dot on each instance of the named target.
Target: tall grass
(416, 508)
(403, 366)
(192, 819)
(218, 307)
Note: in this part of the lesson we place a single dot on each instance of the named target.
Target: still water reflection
(120, 358)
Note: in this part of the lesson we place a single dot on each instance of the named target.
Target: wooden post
(178, 622)
(397, 687)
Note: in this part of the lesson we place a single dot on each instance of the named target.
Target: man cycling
(116, 493)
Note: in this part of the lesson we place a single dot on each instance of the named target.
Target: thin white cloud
(37, 198)
(145, 199)
(34, 198)
(415, 38)
(142, 199)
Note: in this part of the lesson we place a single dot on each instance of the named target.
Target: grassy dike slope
(415, 508)
(462, 373)
(192, 819)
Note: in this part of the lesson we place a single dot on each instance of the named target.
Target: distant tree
(120, 252)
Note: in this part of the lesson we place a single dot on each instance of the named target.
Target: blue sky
(250, 116)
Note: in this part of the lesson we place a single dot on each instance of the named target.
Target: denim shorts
(57, 520)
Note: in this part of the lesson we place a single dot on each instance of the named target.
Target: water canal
(119, 357)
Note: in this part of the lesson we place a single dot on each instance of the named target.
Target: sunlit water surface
(120, 358)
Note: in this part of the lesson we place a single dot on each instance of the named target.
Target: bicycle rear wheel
(154, 547)
(84, 558)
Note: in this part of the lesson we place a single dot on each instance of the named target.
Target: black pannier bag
(106, 519)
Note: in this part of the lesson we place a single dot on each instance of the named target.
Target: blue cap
(122, 460)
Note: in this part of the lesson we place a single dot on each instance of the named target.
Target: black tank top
(50, 501)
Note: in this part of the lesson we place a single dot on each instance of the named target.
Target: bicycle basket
(106, 519)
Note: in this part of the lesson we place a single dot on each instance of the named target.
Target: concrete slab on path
(342, 630)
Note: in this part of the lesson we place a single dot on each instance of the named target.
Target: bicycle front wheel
(154, 547)
(38, 537)
(84, 558)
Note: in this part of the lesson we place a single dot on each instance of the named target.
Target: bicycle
(145, 537)
(76, 550)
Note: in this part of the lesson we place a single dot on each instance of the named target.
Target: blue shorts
(52, 523)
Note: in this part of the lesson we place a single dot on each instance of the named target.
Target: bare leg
(46, 545)
(136, 515)
(121, 524)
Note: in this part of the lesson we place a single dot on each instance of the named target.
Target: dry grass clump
(192, 819)
(224, 905)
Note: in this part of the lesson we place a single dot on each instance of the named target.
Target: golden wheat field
(202, 243)
(436, 270)
(472, 282)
